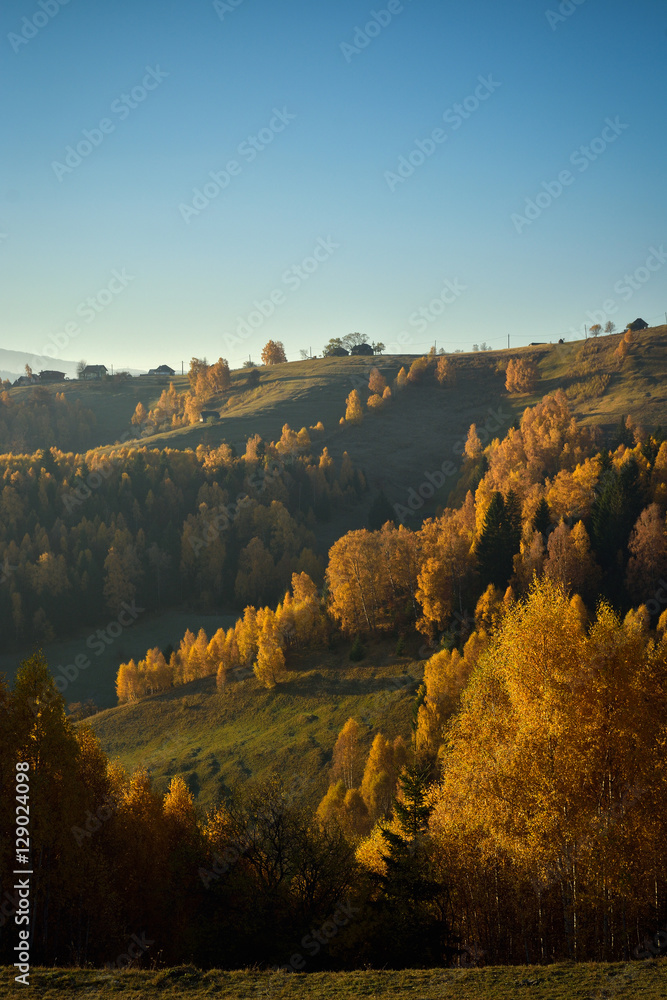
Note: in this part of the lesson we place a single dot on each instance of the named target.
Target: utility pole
(508, 341)
(182, 372)
(586, 331)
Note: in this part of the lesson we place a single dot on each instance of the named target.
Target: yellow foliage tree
(347, 758)
(273, 353)
(354, 413)
(521, 376)
(377, 383)
(270, 665)
(418, 370)
(401, 379)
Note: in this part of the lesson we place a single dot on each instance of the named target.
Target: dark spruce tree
(616, 508)
(499, 539)
(619, 503)
(542, 518)
(412, 903)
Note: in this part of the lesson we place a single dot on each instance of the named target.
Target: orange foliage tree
(521, 376)
(273, 353)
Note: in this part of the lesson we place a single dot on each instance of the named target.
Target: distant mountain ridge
(12, 364)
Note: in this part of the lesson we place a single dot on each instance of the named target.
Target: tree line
(82, 533)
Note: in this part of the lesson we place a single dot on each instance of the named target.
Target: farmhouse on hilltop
(52, 376)
(162, 370)
(93, 372)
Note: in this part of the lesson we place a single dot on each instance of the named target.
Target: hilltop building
(93, 372)
(162, 370)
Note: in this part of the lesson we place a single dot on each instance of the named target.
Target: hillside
(422, 427)
(215, 740)
(391, 446)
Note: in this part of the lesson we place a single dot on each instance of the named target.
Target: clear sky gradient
(172, 274)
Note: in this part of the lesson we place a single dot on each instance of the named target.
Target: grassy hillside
(218, 739)
(618, 981)
(423, 427)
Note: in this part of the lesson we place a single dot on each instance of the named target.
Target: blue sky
(445, 253)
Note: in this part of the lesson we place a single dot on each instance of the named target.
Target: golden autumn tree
(247, 635)
(529, 560)
(445, 372)
(128, 686)
(354, 413)
(521, 376)
(550, 764)
(418, 370)
(473, 446)
(371, 577)
(447, 565)
(570, 560)
(401, 379)
(446, 675)
(197, 663)
(179, 810)
(140, 415)
(377, 383)
(378, 785)
(183, 655)
(346, 809)
(648, 553)
(347, 755)
(273, 353)
(156, 671)
(270, 664)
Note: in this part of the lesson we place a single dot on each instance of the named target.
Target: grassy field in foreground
(619, 981)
